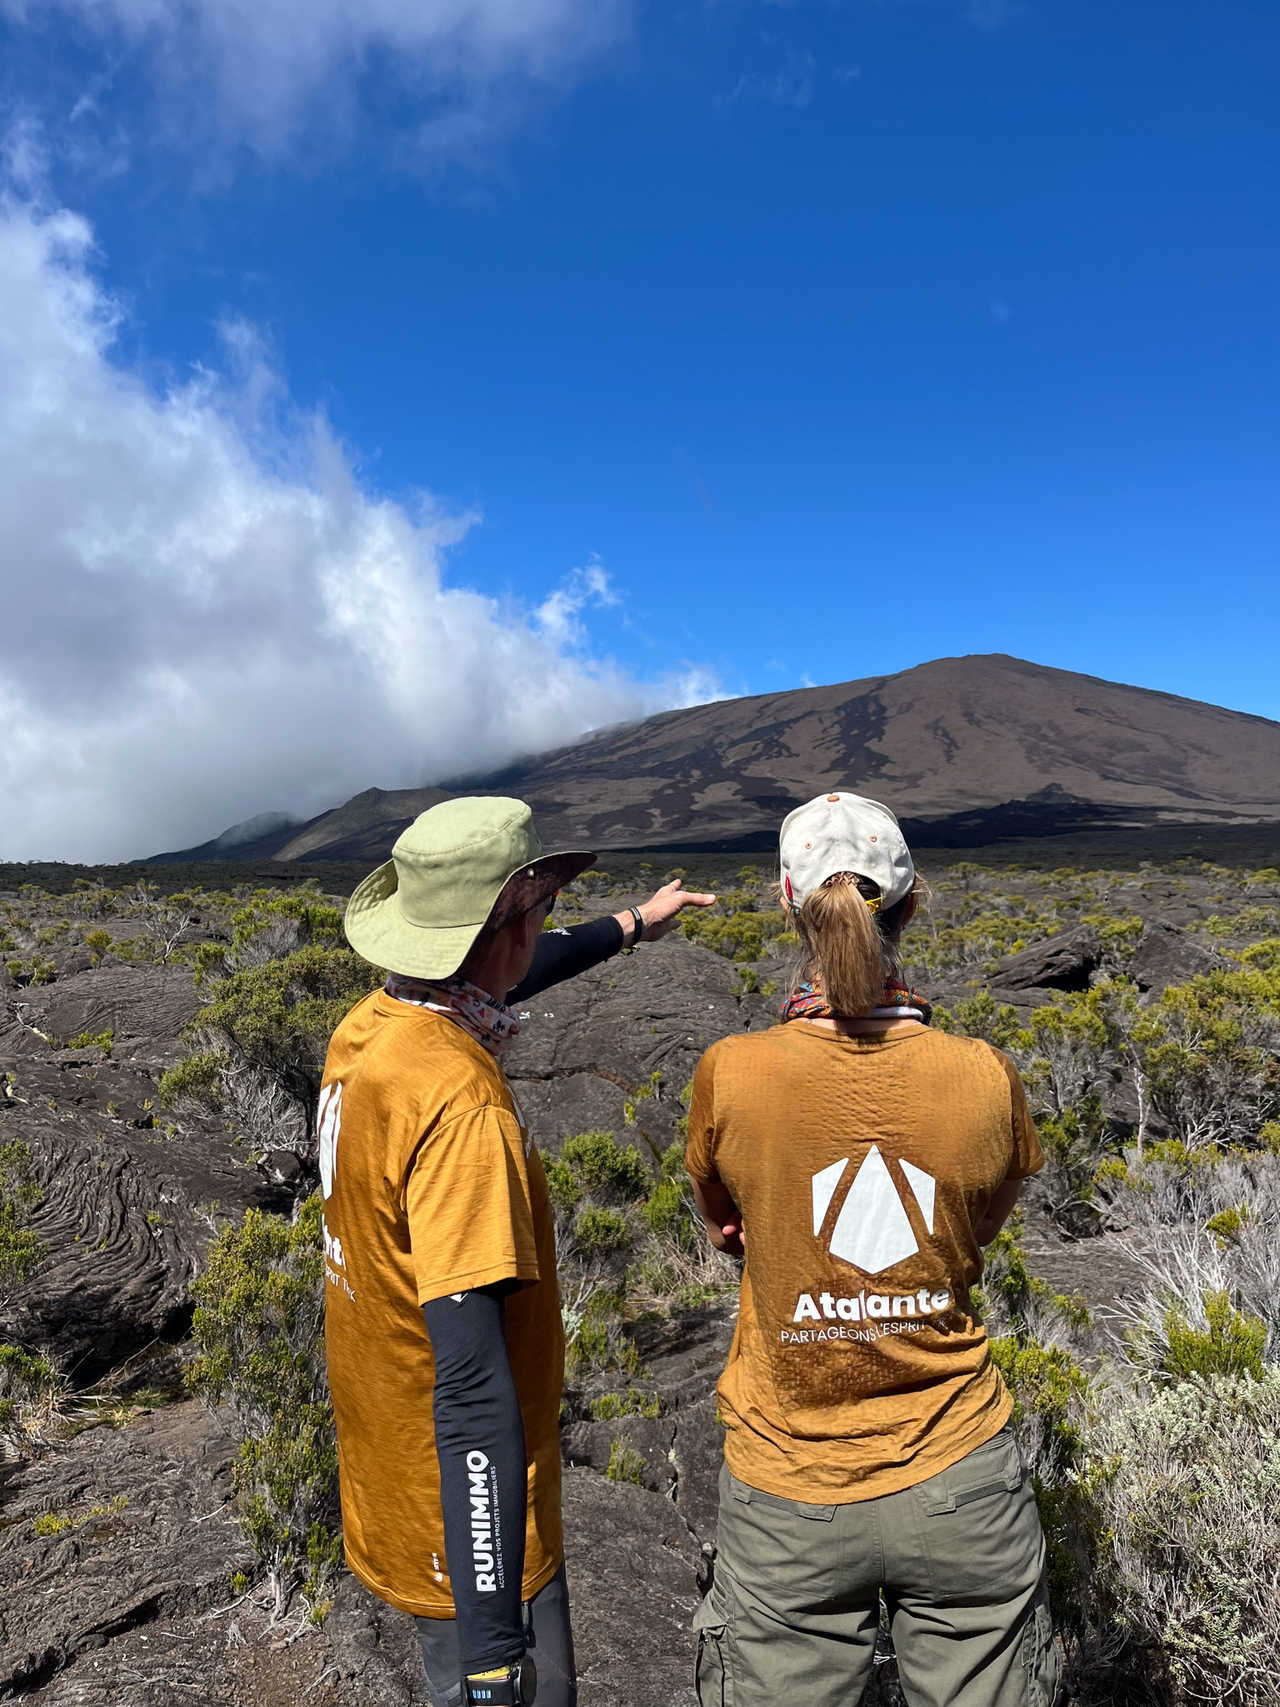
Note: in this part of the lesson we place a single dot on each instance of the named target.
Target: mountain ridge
(967, 750)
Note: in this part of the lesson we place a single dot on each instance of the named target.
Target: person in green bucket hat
(443, 1331)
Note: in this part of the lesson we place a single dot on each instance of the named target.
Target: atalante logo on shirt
(872, 1231)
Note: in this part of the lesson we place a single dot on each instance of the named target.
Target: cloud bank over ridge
(205, 614)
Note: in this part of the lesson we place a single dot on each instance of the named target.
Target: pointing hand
(662, 909)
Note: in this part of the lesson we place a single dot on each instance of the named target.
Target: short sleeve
(699, 1156)
(469, 1207)
(1028, 1157)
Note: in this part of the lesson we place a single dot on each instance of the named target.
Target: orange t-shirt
(861, 1166)
(431, 1186)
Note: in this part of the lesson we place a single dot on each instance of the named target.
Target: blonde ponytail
(847, 954)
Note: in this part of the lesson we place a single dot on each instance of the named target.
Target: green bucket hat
(459, 866)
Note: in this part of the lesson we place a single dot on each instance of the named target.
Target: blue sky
(738, 346)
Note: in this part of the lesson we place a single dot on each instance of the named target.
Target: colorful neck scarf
(480, 1016)
(808, 1002)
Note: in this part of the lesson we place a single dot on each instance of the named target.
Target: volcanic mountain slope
(966, 750)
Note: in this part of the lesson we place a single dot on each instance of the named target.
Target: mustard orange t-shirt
(431, 1186)
(861, 1166)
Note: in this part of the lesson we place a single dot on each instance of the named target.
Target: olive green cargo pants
(793, 1611)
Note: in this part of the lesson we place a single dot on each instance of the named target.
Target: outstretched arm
(562, 954)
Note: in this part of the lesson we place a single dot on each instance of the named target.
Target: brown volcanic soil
(966, 750)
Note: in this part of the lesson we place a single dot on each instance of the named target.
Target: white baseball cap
(843, 832)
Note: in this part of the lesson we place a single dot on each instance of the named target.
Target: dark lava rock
(125, 1215)
(633, 1585)
(128, 1601)
(144, 1007)
(590, 1045)
(1166, 955)
(1064, 962)
(677, 1453)
(119, 1531)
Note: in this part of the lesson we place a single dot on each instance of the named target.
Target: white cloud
(791, 85)
(263, 71)
(204, 615)
(559, 616)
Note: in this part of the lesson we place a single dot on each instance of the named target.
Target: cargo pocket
(979, 1527)
(995, 1467)
(713, 1678)
(1040, 1653)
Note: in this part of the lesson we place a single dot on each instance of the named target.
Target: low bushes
(259, 1327)
(21, 1248)
(1186, 1483)
(31, 1399)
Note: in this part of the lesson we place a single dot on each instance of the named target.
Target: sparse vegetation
(21, 1248)
(1149, 1430)
(259, 1327)
(31, 1393)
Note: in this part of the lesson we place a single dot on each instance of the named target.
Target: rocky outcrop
(128, 1198)
(1067, 961)
(591, 1048)
(1166, 955)
(124, 1217)
(144, 1007)
(116, 1535)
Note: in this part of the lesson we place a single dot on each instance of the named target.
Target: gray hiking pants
(547, 1636)
(793, 1611)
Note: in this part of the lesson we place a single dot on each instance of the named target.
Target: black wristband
(638, 916)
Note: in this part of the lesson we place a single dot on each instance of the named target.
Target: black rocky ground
(118, 1542)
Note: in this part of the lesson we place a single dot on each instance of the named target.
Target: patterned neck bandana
(480, 1016)
(808, 1002)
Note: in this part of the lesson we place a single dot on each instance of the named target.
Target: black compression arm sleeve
(562, 954)
(483, 1475)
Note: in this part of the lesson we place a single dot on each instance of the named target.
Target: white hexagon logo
(873, 1230)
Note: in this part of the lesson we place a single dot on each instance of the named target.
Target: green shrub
(1073, 1141)
(624, 1464)
(1227, 1223)
(605, 1168)
(562, 1188)
(981, 1016)
(600, 1232)
(650, 1090)
(271, 925)
(196, 1078)
(596, 1336)
(21, 1249)
(734, 929)
(1210, 1057)
(278, 1017)
(666, 1210)
(259, 1327)
(103, 1040)
(610, 1406)
(31, 1391)
(1231, 1343)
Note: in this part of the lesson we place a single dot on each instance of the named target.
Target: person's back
(429, 1184)
(859, 1161)
(444, 1336)
(861, 1166)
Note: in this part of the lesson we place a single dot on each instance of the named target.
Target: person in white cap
(443, 1329)
(859, 1160)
